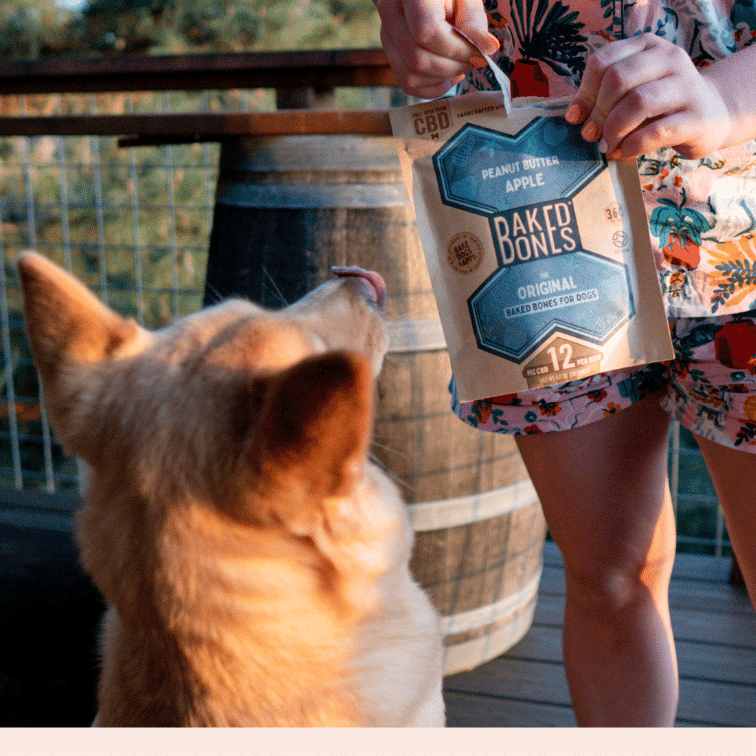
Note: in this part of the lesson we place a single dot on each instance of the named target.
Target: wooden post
(299, 98)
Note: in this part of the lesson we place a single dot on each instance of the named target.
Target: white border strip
(415, 336)
(469, 654)
(485, 615)
(464, 510)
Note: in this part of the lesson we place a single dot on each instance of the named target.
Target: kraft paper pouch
(538, 248)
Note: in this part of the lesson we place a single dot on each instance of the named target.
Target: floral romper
(702, 219)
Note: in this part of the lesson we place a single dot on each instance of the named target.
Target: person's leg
(712, 390)
(733, 473)
(604, 492)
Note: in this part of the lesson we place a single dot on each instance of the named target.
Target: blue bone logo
(484, 172)
(566, 284)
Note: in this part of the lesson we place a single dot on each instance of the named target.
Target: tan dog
(254, 561)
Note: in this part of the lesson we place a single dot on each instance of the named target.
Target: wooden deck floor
(715, 630)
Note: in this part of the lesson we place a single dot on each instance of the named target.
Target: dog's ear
(314, 431)
(70, 331)
(310, 447)
(65, 320)
(309, 456)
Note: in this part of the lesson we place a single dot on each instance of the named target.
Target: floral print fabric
(701, 213)
(710, 388)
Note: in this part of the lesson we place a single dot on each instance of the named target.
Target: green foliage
(30, 28)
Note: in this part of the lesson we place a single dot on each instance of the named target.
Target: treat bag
(538, 248)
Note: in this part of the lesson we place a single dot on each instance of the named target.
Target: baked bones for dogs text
(537, 246)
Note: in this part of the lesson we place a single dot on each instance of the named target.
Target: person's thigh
(712, 392)
(733, 473)
(603, 488)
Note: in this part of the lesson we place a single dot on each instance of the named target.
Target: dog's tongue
(375, 281)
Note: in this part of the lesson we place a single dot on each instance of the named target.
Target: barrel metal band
(463, 510)
(415, 336)
(468, 654)
(311, 196)
(486, 615)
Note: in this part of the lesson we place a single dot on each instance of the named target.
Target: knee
(609, 589)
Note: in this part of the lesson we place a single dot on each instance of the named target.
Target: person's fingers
(425, 51)
(433, 91)
(430, 27)
(600, 60)
(610, 72)
(418, 61)
(419, 71)
(470, 18)
(647, 102)
(686, 130)
(675, 129)
(645, 93)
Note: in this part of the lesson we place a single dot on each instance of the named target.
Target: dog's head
(257, 419)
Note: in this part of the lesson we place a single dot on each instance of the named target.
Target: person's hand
(426, 55)
(645, 93)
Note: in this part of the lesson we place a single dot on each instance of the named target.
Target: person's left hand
(645, 93)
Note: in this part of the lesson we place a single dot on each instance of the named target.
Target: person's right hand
(427, 56)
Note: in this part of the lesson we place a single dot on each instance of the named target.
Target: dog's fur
(255, 563)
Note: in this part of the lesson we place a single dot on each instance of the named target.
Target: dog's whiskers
(390, 473)
(390, 450)
(276, 290)
(218, 296)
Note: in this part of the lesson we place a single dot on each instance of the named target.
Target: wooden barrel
(287, 209)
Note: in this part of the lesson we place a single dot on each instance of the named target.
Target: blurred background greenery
(30, 28)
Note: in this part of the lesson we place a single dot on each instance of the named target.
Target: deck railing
(109, 167)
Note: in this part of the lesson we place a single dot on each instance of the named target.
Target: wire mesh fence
(134, 224)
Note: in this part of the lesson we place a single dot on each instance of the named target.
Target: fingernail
(495, 44)
(477, 61)
(574, 114)
(603, 146)
(590, 132)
